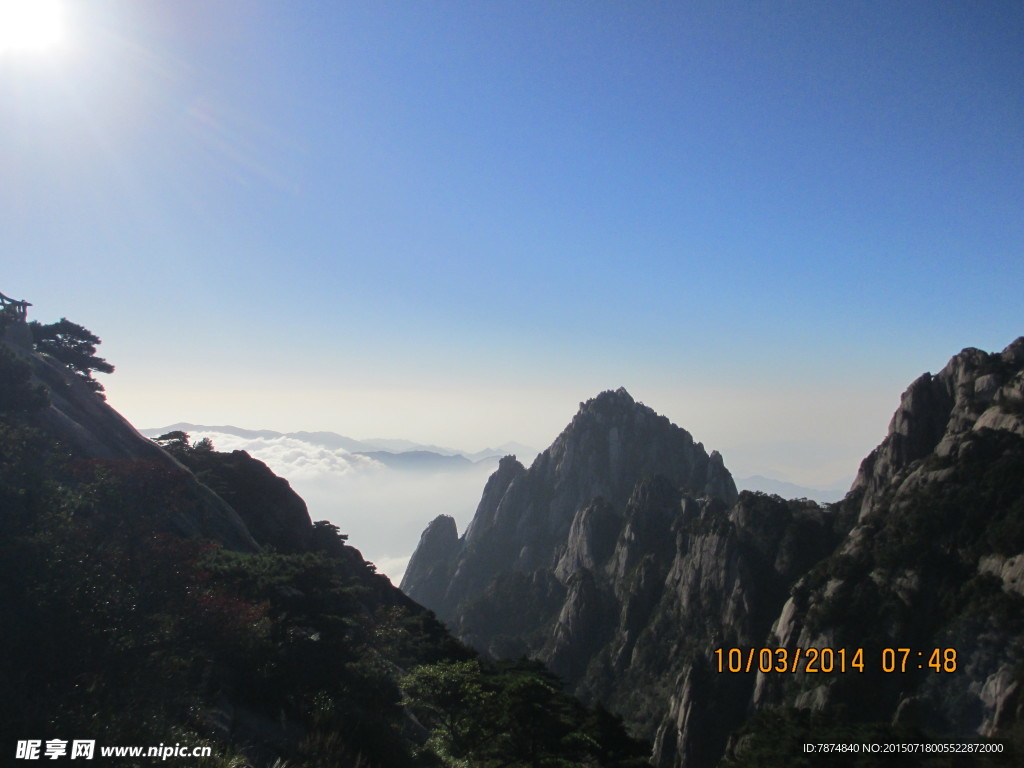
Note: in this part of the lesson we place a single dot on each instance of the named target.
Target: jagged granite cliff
(572, 561)
(624, 568)
(524, 517)
(935, 560)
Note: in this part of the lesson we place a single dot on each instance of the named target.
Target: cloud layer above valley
(293, 458)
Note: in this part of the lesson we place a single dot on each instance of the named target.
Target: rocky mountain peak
(608, 400)
(613, 441)
(524, 517)
(1014, 352)
(508, 464)
(602, 506)
(610, 408)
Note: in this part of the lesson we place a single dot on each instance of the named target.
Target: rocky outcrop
(275, 515)
(430, 564)
(974, 391)
(727, 578)
(111, 616)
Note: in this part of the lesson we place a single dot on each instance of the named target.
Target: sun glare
(30, 25)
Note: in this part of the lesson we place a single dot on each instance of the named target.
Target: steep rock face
(975, 390)
(724, 586)
(934, 561)
(431, 562)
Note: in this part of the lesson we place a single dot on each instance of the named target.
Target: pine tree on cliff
(73, 345)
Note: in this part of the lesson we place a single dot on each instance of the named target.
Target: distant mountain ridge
(419, 461)
(393, 453)
(326, 439)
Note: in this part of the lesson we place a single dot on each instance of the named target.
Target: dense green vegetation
(118, 629)
(512, 713)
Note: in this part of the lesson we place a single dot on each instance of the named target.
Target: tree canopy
(177, 443)
(513, 714)
(73, 345)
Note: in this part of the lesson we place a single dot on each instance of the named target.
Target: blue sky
(453, 221)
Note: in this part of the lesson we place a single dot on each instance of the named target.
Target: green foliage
(177, 443)
(174, 442)
(109, 626)
(73, 345)
(1011, 404)
(512, 714)
(326, 532)
(451, 697)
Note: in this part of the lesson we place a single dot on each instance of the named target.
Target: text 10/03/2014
(832, 660)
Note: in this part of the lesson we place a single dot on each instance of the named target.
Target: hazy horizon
(523, 452)
(793, 436)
